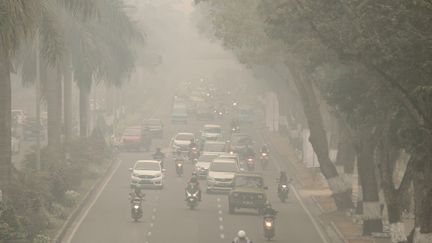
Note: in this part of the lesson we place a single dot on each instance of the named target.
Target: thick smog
(210, 121)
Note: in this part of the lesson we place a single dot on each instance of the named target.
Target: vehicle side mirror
(163, 170)
(131, 169)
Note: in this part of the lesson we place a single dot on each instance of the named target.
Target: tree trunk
(346, 152)
(423, 197)
(54, 112)
(366, 168)
(84, 100)
(318, 138)
(67, 92)
(5, 121)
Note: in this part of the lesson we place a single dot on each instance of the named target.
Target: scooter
(269, 227)
(136, 209)
(192, 196)
(179, 167)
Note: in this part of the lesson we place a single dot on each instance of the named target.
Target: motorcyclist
(268, 210)
(249, 152)
(283, 180)
(264, 149)
(136, 193)
(234, 123)
(241, 238)
(192, 144)
(159, 155)
(194, 181)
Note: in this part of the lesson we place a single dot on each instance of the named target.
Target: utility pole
(38, 165)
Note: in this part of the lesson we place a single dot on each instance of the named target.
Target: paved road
(166, 217)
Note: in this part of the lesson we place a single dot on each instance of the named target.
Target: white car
(147, 174)
(214, 147)
(221, 174)
(181, 141)
(211, 132)
(203, 164)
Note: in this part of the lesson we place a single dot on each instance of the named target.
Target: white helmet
(241, 234)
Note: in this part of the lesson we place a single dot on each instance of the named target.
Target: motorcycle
(136, 209)
(179, 167)
(264, 160)
(250, 162)
(192, 192)
(283, 191)
(194, 154)
(269, 227)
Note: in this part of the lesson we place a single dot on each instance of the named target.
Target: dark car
(248, 191)
(135, 138)
(239, 141)
(31, 128)
(154, 127)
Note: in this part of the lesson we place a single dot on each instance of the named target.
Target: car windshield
(132, 132)
(147, 166)
(223, 167)
(207, 158)
(184, 137)
(214, 147)
(212, 129)
(248, 181)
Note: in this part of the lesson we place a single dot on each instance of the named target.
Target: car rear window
(147, 166)
(223, 167)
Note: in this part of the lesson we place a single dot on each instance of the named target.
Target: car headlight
(136, 206)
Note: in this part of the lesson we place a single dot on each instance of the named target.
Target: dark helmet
(137, 190)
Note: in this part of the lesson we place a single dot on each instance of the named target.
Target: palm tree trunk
(5, 121)
(84, 102)
(67, 109)
(54, 110)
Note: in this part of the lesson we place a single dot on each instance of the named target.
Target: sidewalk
(312, 186)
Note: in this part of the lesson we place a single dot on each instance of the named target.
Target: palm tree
(102, 51)
(17, 23)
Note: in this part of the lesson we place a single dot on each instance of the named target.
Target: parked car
(221, 174)
(154, 126)
(147, 174)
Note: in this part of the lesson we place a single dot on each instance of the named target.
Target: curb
(339, 234)
(79, 208)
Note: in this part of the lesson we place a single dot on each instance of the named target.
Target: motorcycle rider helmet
(241, 234)
(194, 174)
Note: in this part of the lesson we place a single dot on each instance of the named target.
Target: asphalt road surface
(166, 216)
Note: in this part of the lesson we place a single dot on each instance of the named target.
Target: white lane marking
(154, 210)
(222, 236)
(221, 227)
(151, 225)
(219, 206)
(312, 219)
(220, 219)
(218, 199)
(220, 212)
(86, 212)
